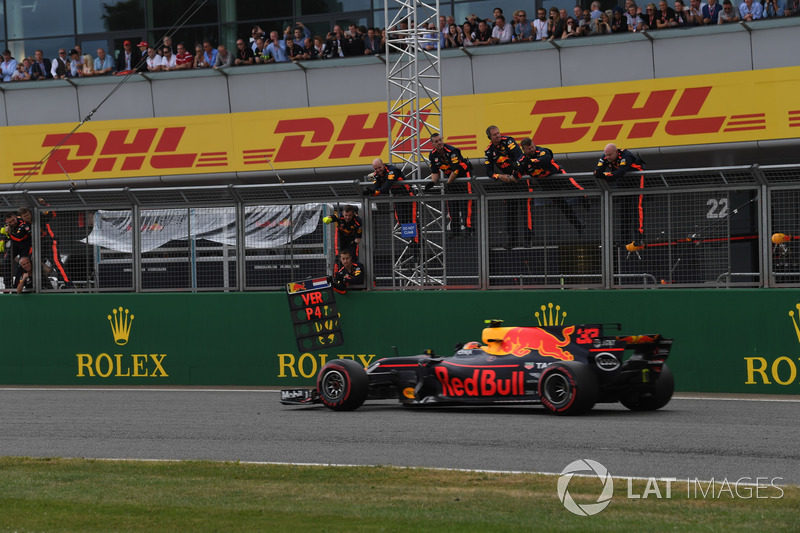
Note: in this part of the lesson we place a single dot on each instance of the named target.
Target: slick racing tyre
(568, 388)
(655, 398)
(343, 385)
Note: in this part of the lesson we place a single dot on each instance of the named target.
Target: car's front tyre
(343, 385)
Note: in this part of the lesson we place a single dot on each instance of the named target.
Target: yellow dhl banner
(690, 110)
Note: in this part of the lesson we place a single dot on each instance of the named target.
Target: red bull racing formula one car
(565, 368)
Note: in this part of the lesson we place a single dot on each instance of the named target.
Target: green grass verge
(89, 495)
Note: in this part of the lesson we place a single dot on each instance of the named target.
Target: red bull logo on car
(520, 342)
(482, 382)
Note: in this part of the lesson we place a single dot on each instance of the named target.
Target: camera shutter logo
(585, 465)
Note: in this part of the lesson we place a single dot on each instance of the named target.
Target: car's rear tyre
(568, 388)
(656, 398)
(343, 385)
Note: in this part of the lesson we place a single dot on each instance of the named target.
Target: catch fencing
(710, 227)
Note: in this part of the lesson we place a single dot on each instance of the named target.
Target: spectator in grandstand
(260, 52)
(555, 25)
(602, 25)
(446, 160)
(635, 22)
(431, 39)
(522, 27)
(23, 280)
(577, 13)
(774, 8)
(539, 25)
(255, 34)
(103, 64)
(167, 42)
(41, 66)
(696, 8)
(224, 58)
(127, 59)
(277, 49)
(372, 43)
(334, 45)
(728, 13)
(504, 155)
(665, 18)
(348, 275)
(306, 31)
(794, 9)
(467, 35)
(21, 74)
(711, 12)
(168, 60)
(619, 24)
(209, 54)
(750, 10)
(484, 35)
(294, 52)
(620, 168)
(309, 51)
(570, 29)
(9, 65)
(680, 14)
(502, 33)
(388, 179)
(595, 10)
(354, 42)
(319, 46)
(650, 18)
(183, 59)
(87, 66)
(349, 230)
(539, 163)
(244, 54)
(199, 57)
(453, 37)
(153, 60)
(75, 64)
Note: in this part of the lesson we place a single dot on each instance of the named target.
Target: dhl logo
(307, 139)
(644, 119)
(120, 150)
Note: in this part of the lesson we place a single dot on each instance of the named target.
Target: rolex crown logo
(549, 317)
(794, 321)
(120, 325)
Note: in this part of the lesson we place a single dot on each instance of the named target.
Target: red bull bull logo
(520, 342)
(295, 287)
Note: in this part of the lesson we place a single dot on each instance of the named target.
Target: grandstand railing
(706, 227)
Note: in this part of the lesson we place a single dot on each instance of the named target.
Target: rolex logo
(794, 321)
(551, 316)
(120, 325)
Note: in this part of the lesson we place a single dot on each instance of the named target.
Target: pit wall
(733, 341)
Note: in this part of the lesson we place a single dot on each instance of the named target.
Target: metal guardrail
(703, 227)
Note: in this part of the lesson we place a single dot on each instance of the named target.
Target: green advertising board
(736, 341)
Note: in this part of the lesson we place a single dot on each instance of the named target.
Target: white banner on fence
(264, 226)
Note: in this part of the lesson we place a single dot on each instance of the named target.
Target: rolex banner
(732, 341)
(264, 226)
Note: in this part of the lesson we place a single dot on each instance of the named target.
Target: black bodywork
(567, 368)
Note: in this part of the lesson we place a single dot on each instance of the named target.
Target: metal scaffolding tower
(413, 95)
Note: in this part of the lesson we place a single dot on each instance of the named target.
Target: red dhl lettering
(369, 133)
(483, 382)
(75, 153)
(520, 342)
(621, 111)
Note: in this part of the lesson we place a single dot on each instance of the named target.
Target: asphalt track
(691, 438)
